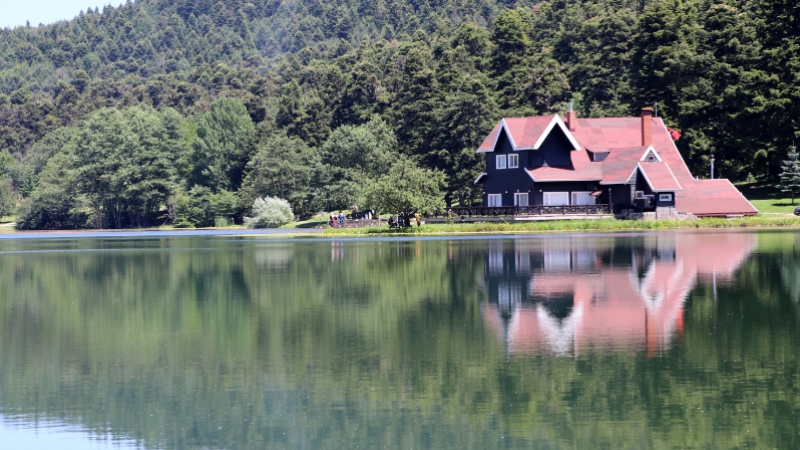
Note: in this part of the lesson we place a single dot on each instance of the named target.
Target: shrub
(7, 201)
(270, 212)
(201, 208)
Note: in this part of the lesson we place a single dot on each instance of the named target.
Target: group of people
(402, 220)
(338, 220)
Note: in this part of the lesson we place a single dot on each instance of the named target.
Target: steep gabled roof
(599, 135)
(658, 176)
(621, 163)
(488, 144)
(526, 133)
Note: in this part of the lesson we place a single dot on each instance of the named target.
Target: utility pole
(712, 165)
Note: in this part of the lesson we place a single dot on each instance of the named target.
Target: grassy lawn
(573, 225)
(315, 221)
(768, 199)
(7, 224)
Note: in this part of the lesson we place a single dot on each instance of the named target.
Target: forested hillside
(195, 107)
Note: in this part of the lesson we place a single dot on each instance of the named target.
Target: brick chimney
(572, 119)
(647, 126)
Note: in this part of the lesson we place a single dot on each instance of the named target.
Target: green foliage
(56, 202)
(437, 76)
(408, 189)
(117, 169)
(352, 158)
(295, 335)
(126, 162)
(201, 207)
(225, 138)
(269, 212)
(282, 167)
(8, 201)
(790, 174)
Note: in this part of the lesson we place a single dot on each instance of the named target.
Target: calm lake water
(668, 340)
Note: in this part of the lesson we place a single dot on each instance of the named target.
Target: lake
(662, 340)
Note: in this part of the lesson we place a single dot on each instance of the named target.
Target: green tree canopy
(408, 189)
(282, 167)
(353, 157)
(224, 143)
(790, 175)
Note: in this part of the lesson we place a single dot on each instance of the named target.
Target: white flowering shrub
(270, 212)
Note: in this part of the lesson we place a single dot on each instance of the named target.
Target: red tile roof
(488, 144)
(659, 177)
(524, 132)
(712, 198)
(620, 164)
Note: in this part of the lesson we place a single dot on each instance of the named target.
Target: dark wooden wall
(506, 181)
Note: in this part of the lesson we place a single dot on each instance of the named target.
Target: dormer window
(501, 162)
(513, 161)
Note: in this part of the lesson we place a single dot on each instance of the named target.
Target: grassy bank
(768, 199)
(572, 225)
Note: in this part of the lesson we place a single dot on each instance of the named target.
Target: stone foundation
(661, 213)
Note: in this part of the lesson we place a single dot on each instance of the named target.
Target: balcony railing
(534, 210)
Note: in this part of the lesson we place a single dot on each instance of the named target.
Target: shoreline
(431, 230)
(572, 226)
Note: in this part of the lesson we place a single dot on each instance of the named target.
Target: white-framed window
(495, 200)
(665, 197)
(556, 198)
(521, 199)
(638, 194)
(513, 161)
(501, 162)
(583, 198)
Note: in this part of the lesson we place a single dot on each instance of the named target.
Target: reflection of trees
(311, 344)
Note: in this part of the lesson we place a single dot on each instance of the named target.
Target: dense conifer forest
(188, 110)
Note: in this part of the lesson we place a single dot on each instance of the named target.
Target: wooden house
(627, 162)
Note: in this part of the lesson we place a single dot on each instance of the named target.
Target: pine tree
(790, 173)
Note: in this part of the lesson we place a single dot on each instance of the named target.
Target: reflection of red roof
(659, 177)
(614, 307)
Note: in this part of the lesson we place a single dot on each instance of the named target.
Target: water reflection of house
(571, 294)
